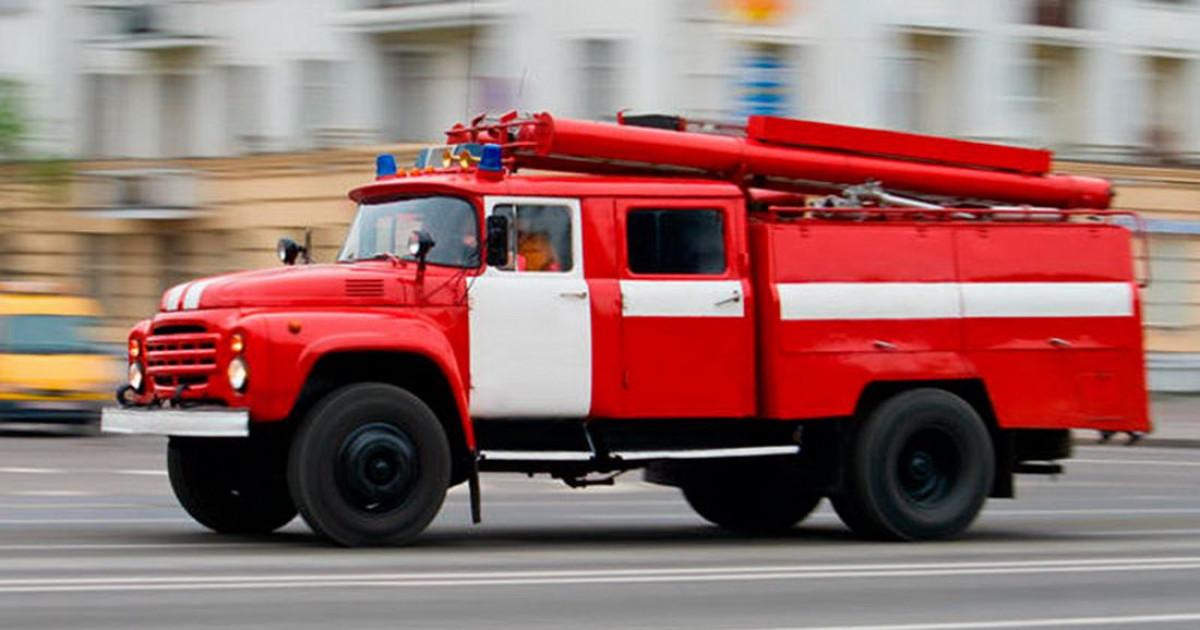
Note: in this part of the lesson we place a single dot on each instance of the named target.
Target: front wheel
(756, 496)
(369, 466)
(920, 468)
(229, 487)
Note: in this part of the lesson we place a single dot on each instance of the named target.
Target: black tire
(919, 468)
(755, 496)
(228, 487)
(370, 465)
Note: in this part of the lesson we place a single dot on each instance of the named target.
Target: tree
(12, 117)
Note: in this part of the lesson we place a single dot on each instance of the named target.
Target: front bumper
(194, 422)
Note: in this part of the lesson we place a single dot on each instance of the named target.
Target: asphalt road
(90, 537)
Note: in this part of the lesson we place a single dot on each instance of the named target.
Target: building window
(1048, 96)
(243, 108)
(177, 99)
(1164, 129)
(14, 6)
(1056, 13)
(923, 86)
(600, 68)
(106, 103)
(409, 94)
(761, 84)
(675, 241)
(319, 90)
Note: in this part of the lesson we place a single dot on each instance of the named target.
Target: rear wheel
(761, 496)
(920, 468)
(369, 466)
(228, 487)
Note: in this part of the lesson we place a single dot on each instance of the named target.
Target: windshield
(383, 229)
(45, 334)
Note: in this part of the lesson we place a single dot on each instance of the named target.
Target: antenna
(520, 89)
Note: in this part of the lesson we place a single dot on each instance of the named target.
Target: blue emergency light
(385, 165)
(493, 158)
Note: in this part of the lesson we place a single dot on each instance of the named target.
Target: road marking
(1060, 622)
(1135, 462)
(62, 471)
(86, 521)
(128, 546)
(593, 576)
(53, 493)
(151, 473)
(827, 516)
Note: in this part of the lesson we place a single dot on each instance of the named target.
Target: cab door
(530, 320)
(687, 337)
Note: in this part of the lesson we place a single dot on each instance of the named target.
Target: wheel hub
(929, 466)
(377, 467)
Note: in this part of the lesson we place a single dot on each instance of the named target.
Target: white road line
(1135, 462)
(127, 546)
(87, 521)
(93, 471)
(597, 576)
(1061, 622)
(151, 473)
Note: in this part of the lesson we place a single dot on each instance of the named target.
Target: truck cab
(759, 351)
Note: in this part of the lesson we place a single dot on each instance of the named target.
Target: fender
(302, 339)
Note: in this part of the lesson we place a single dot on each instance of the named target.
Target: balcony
(406, 16)
(151, 25)
(141, 193)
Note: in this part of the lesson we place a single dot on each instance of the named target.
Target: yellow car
(51, 371)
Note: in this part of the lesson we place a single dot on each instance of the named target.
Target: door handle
(578, 295)
(733, 299)
(1058, 342)
(883, 345)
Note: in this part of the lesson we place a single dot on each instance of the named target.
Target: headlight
(135, 376)
(238, 374)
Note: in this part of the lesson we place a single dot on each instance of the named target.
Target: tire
(753, 496)
(919, 468)
(370, 465)
(228, 487)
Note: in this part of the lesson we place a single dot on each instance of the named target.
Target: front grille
(364, 287)
(178, 329)
(181, 359)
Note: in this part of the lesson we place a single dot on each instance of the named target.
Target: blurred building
(163, 139)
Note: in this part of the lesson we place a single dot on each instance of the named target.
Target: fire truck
(762, 316)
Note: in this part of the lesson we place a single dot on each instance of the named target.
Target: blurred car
(52, 373)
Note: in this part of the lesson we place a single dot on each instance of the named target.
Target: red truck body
(690, 322)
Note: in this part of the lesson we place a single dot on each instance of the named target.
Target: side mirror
(497, 241)
(289, 250)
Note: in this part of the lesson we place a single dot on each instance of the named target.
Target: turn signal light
(237, 344)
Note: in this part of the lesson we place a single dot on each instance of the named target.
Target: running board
(637, 456)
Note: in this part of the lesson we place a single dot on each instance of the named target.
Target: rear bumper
(197, 422)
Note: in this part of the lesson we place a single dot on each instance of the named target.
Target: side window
(675, 241)
(539, 238)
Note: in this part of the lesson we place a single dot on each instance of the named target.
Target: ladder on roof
(790, 155)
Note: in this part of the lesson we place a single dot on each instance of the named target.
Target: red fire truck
(762, 316)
